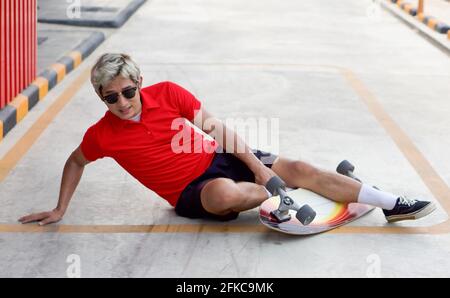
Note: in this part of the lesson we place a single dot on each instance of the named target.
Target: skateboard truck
(346, 168)
(305, 214)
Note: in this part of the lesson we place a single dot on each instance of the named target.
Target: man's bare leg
(331, 185)
(222, 196)
(344, 189)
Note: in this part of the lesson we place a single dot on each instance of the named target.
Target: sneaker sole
(411, 216)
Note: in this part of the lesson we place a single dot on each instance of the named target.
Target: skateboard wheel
(345, 167)
(305, 215)
(274, 184)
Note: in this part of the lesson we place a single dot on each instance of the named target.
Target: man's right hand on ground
(43, 218)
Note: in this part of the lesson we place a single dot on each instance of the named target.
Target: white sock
(371, 196)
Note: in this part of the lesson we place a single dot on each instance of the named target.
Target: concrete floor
(344, 83)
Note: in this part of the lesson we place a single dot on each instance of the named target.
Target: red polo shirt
(162, 150)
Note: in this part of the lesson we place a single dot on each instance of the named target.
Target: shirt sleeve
(90, 145)
(185, 101)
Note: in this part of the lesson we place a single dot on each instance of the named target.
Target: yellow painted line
(77, 58)
(105, 229)
(430, 177)
(197, 228)
(42, 84)
(20, 102)
(432, 23)
(13, 156)
(60, 71)
(385, 230)
(1, 130)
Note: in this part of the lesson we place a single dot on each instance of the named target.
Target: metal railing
(18, 47)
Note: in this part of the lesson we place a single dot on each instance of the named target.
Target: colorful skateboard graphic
(312, 213)
(329, 214)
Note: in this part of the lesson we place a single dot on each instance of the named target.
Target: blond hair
(111, 65)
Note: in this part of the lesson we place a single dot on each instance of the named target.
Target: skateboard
(313, 213)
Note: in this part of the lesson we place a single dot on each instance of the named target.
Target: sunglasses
(128, 93)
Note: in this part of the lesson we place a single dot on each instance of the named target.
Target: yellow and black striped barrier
(17, 109)
(430, 21)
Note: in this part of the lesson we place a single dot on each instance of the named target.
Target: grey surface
(58, 41)
(57, 44)
(249, 59)
(92, 13)
(219, 255)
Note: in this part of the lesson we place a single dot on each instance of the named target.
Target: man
(141, 131)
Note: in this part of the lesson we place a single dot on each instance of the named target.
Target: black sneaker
(406, 209)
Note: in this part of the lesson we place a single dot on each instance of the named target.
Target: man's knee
(307, 175)
(305, 170)
(220, 195)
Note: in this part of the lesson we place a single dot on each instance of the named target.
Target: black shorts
(223, 165)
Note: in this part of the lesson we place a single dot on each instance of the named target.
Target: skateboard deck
(330, 214)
